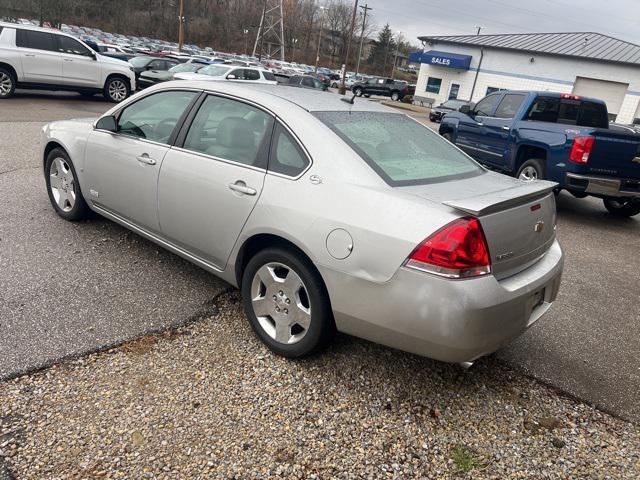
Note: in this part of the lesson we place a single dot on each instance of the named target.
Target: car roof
(281, 95)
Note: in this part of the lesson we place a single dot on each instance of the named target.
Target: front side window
(286, 156)
(154, 117)
(238, 73)
(35, 40)
(486, 106)
(229, 130)
(250, 74)
(308, 82)
(156, 65)
(69, 45)
(509, 105)
(433, 85)
(400, 150)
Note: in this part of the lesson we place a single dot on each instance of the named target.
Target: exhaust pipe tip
(465, 365)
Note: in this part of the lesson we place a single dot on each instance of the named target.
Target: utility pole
(346, 55)
(322, 9)
(181, 26)
(395, 56)
(365, 8)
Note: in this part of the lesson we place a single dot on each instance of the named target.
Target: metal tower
(270, 38)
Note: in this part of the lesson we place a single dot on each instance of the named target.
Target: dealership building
(586, 64)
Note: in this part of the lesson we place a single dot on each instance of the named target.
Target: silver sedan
(328, 215)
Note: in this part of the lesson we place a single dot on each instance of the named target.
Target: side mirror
(231, 77)
(107, 123)
(93, 55)
(465, 109)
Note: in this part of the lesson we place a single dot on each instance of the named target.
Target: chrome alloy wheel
(6, 84)
(281, 303)
(117, 90)
(528, 174)
(62, 184)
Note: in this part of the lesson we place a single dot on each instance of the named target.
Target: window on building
(454, 91)
(491, 90)
(509, 105)
(433, 85)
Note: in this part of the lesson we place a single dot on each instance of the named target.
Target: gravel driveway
(208, 401)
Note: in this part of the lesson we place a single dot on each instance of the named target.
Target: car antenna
(349, 100)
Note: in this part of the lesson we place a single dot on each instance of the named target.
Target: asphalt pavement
(69, 288)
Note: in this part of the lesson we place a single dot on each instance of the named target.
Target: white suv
(46, 59)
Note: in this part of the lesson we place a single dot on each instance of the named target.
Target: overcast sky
(618, 18)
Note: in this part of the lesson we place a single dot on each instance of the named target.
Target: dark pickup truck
(559, 137)
(386, 87)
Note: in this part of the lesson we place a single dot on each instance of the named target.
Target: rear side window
(509, 105)
(35, 40)
(568, 112)
(229, 130)
(400, 150)
(250, 74)
(269, 76)
(286, 156)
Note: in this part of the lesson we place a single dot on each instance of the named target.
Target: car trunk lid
(518, 218)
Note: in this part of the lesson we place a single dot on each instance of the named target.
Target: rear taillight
(457, 250)
(581, 149)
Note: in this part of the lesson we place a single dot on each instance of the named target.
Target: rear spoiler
(503, 199)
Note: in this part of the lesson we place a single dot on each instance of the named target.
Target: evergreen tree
(382, 52)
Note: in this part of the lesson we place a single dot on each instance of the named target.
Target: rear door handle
(241, 187)
(29, 54)
(146, 159)
(479, 124)
(68, 59)
(506, 128)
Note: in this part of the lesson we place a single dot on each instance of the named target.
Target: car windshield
(455, 104)
(400, 150)
(186, 67)
(214, 70)
(140, 61)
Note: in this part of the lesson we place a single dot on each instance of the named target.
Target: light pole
(246, 32)
(181, 26)
(294, 41)
(343, 89)
(365, 8)
(322, 9)
(395, 56)
(478, 28)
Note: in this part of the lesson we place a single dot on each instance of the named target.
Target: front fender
(70, 135)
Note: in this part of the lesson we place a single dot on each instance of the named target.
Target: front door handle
(68, 59)
(241, 187)
(29, 54)
(479, 124)
(506, 128)
(146, 159)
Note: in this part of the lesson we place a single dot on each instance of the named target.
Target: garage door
(611, 92)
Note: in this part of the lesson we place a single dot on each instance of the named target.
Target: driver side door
(122, 167)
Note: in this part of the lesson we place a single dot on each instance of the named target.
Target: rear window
(567, 111)
(269, 76)
(399, 149)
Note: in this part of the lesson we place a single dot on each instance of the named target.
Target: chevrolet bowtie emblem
(539, 226)
(636, 160)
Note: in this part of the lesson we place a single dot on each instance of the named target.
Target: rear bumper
(449, 320)
(603, 186)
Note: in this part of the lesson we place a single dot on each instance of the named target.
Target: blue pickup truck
(559, 137)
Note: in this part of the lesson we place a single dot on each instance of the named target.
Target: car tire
(622, 208)
(116, 89)
(357, 92)
(366, 95)
(334, 85)
(395, 96)
(267, 300)
(63, 187)
(531, 170)
(7, 83)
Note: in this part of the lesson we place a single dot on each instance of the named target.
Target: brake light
(568, 96)
(581, 149)
(457, 250)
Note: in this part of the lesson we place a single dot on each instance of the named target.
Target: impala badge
(539, 226)
(94, 193)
